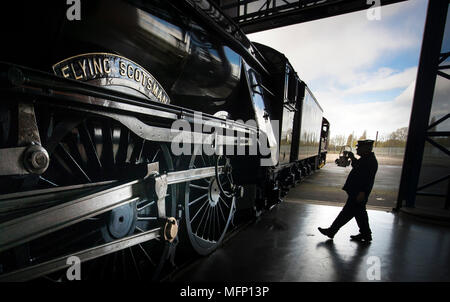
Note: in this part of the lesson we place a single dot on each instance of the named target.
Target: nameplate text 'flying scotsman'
(117, 72)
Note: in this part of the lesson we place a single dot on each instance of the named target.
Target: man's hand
(351, 155)
(360, 197)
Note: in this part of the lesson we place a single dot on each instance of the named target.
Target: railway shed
(94, 176)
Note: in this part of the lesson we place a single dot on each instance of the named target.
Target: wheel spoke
(156, 154)
(60, 131)
(73, 162)
(124, 140)
(107, 157)
(124, 265)
(199, 198)
(213, 222)
(48, 181)
(46, 127)
(204, 162)
(146, 254)
(72, 147)
(199, 210)
(137, 150)
(89, 148)
(221, 199)
(115, 268)
(221, 212)
(145, 206)
(135, 264)
(203, 216)
(198, 187)
(219, 227)
(207, 228)
(207, 232)
(146, 218)
(206, 221)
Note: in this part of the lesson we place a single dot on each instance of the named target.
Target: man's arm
(353, 159)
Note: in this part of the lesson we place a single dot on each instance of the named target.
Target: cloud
(340, 46)
(348, 57)
(385, 79)
(383, 116)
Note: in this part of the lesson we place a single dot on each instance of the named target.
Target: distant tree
(336, 142)
(396, 138)
(382, 140)
(363, 136)
(350, 139)
(340, 140)
(400, 134)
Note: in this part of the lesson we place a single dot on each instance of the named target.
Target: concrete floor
(285, 245)
(326, 185)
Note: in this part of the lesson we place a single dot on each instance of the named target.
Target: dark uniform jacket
(362, 176)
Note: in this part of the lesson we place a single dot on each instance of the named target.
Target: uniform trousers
(352, 209)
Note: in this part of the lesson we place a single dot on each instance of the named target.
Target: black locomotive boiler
(90, 161)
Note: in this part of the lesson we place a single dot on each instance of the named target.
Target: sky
(361, 71)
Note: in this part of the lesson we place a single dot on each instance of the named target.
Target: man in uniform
(358, 187)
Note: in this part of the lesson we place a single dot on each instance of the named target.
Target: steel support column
(422, 102)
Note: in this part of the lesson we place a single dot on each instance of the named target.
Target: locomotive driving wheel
(92, 149)
(209, 205)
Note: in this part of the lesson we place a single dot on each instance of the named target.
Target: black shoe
(327, 232)
(361, 237)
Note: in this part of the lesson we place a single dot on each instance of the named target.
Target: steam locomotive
(137, 133)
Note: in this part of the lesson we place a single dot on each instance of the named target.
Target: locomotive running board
(76, 95)
(26, 228)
